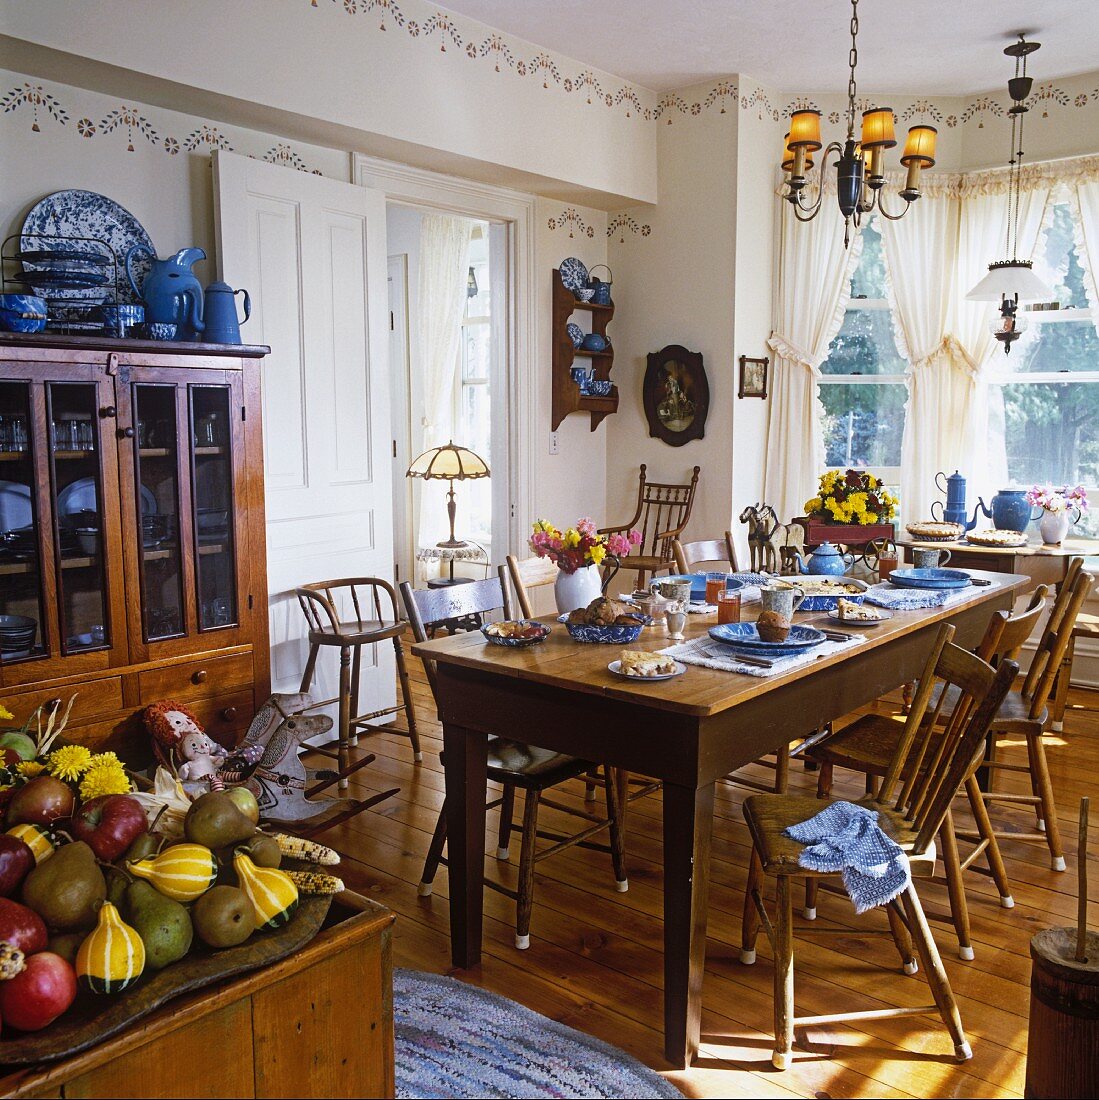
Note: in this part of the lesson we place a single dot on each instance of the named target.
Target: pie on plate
(995, 537)
(935, 531)
(636, 663)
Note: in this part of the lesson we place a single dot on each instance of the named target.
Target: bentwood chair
(515, 766)
(869, 744)
(912, 802)
(661, 515)
(690, 555)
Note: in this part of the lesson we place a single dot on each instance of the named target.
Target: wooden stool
(366, 624)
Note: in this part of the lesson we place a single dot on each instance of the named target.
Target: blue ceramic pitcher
(1011, 511)
(171, 292)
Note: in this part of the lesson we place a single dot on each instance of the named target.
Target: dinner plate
(15, 506)
(929, 578)
(574, 274)
(79, 496)
(616, 668)
(64, 256)
(745, 637)
(834, 616)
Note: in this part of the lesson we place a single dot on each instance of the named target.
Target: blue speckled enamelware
(593, 341)
(745, 637)
(574, 274)
(733, 583)
(576, 333)
(829, 603)
(615, 634)
(929, 578)
(22, 313)
(518, 643)
(161, 330)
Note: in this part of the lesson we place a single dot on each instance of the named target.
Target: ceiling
(920, 47)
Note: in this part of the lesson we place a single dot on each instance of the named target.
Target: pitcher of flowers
(578, 552)
(1056, 504)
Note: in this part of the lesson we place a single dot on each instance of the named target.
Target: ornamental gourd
(112, 956)
(40, 842)
(183, 872)
(272, 892)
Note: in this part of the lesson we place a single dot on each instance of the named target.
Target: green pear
(67, 890)
(163, 924)
(215, 821)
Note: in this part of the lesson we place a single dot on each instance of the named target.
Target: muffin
(773, 627)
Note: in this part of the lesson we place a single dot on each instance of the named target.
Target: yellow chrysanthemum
(5, 714)
(102, 758)
(104, 779)
(70, 761)
(30, 768)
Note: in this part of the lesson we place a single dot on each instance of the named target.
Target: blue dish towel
(905, 599)
(847, 838)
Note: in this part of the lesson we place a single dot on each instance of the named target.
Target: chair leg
(525, 901)
(310, 668)
(622, 785)
(507, 815)
(1060, 689)
(356, 669)
(935, 973)
(992, 845)
(343, 755)
(1036, 750)
(902, 938)
(591, 782)
(952, 865)
(749, 928)
(784, 974)
(824, 781)
(782, 769)
(409, 706)
(810, 910)
(618, 840)
(434, 855)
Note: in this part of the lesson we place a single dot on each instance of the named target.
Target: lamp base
(452, 544)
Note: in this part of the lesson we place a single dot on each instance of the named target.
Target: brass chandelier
(859, 173)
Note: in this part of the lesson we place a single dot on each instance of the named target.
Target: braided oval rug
(455, 1040)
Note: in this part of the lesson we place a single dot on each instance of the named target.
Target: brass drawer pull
(199, 677)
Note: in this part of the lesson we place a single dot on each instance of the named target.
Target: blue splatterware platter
(574, 274)
(929, 578)
(745, 637)
(89, 215)
(576, 333)
(733, 582)
(615, 634)
(55, 255)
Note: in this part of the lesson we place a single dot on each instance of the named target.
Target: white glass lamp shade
(1007, 279)
(450, 462)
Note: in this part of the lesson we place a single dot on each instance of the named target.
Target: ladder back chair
(690, 555)
(527, 574)
(1087, 626)
(662, 513)
(912, 802)
(869, 743)
(515, 766)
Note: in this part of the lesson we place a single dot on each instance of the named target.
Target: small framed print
(753, 377)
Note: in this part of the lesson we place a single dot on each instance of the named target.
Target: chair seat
(1012, 717)
(529, 767)
(357, 633)
(769, 815)
(867, 745)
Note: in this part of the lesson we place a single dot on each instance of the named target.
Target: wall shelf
(566, 393)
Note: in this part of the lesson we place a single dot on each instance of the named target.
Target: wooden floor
(595, 958)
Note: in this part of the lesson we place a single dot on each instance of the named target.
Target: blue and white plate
(576, 333)
(929, 578)
(89, 215)
(54, 256)
(61, 279)
(745, 637)
(733, 582)
(542, 634)
(574, 274)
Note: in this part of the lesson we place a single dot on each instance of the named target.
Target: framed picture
(676, 395)
(753, 377)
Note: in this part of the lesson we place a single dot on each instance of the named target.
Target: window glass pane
(864, 345)
(1051, 430)
(475, 352)
(1055, 347)
(869, 278)
(863, 424)
(1056, 261)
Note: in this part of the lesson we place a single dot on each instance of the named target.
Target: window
(1044, 396)
(863, 387)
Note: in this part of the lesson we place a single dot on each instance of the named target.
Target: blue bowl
(615, 634)
(600, 387)
(518, 643)
(594, 342)
(161, 330)
(22, 313)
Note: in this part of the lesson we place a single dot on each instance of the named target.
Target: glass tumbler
(728, 607)
(887, 562)
(715, 585)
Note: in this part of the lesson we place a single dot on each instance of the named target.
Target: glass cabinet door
(23, 629)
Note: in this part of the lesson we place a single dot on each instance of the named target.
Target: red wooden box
(850, 534)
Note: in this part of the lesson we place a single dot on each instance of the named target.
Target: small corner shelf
(566, 394)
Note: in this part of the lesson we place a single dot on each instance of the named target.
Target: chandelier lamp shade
(449, 463)
(1011, 281)
(859, 164)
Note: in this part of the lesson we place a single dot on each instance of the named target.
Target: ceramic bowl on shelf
(161, 330)
(600, 387)
(585, 293)
(576, 333)
(595, 342)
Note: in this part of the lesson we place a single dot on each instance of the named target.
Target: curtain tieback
(949, 353)
(789, 350)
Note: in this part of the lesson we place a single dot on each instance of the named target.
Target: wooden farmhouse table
(687, 733)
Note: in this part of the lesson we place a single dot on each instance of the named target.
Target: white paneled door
(311, 251)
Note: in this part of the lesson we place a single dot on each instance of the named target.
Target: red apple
(22, 927)
(16, 861)
(35, 998)
(41, 801)
(109, 824)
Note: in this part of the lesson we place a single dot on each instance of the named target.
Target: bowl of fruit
(516, 632)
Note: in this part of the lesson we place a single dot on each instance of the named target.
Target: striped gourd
(41, 844)
(272, 892)
(112, 956)
(183, 872)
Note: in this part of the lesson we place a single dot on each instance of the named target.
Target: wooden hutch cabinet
(132, 548)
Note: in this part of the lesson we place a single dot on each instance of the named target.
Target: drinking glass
(728, 607)
(887, 562)
(715, 585)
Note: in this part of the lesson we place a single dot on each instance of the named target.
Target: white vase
(1053, 527)
(573, 590)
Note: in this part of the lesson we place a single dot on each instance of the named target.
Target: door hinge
(243, 413)
(250, 601)
(394, 448)
(392, 326)
(511, 507)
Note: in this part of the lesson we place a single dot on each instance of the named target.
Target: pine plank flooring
(595, 960)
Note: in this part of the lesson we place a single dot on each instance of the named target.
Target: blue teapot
(171, 292)
(826, 561)
(1011, 511)
(219, 324)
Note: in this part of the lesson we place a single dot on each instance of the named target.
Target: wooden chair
(515, 766)
(527, 574)
(350, 613)
(690, 555)
(912, 802)
(1087, 626)
(662, 513)
(869, 744)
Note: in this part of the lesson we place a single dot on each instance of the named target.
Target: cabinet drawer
(196, 679)
(225, 718)
(94, 699)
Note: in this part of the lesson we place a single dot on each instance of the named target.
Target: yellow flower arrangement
(853, 497)
(69, 762)
(103, 779)
(30, 768)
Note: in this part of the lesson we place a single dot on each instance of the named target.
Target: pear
(224, 917)
(264, 850)
(163, 924)
(215, 821)
(67, 890)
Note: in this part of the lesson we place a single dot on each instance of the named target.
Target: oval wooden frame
(691, 362)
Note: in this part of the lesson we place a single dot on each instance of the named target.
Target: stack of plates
(17, 635)
(929, 578)
(745, 638)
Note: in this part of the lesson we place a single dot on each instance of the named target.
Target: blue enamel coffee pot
(954, 511)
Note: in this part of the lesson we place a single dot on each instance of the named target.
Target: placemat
(712, 654)
(913, 599)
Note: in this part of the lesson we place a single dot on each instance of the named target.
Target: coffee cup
(673, 590)
(781, 598)
(929, 559)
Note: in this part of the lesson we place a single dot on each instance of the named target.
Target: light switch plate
(553, 446)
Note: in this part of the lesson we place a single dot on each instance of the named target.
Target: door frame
(410, 186)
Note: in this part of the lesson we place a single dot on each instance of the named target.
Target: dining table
(688, 733)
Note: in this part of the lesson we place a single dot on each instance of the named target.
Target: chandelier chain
(852, 61)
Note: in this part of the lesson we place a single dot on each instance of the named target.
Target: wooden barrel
(1063, 1041)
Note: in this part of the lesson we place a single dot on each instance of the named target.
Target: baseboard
(1085, 665)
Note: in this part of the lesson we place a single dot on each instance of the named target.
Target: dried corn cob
(313, 882)
(308, 850)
